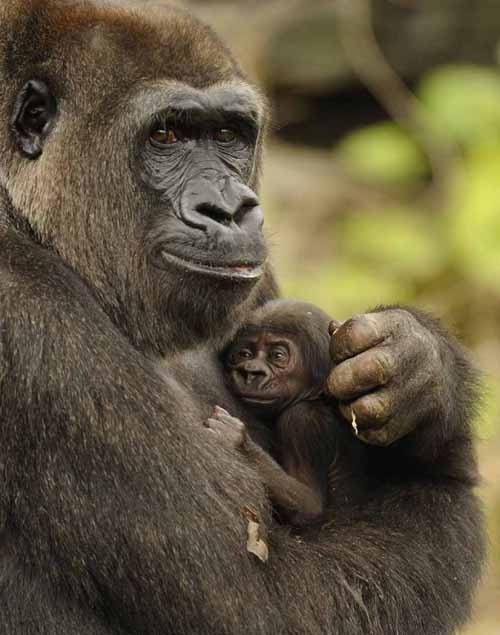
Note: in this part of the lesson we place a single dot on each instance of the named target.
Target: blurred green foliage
(465, 100)
(383, 153)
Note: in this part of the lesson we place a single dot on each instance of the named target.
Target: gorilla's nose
(223, 203)
(254, 376)
(253, 373)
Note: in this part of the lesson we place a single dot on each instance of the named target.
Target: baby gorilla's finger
(357, 335)
(372, 411)
(360, 374)
(231, 421)
(220, 410)
(216, 426)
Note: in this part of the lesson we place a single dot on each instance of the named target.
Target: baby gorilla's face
(267, 370)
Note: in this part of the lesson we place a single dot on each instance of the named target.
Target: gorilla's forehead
(76, 37)
(235, 97)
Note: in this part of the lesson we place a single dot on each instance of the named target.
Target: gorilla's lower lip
(236, 271)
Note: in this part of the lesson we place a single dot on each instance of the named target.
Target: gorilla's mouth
(233, 270)
(258, 400)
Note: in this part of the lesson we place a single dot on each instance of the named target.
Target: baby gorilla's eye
(244, 353)
(279, 355)
(164, 136)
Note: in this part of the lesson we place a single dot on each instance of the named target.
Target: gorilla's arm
(110, 492)
(411, 555)
(407, 562)
(117, 505)
(294, 492)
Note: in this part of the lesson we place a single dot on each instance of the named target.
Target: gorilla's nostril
(247, 205)
(215, 213)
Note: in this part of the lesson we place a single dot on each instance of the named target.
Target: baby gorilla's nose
(254, 377)
(253, 373)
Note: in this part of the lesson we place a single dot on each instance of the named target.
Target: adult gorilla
(129, 231)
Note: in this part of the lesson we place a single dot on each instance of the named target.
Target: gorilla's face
(132, 149)
(197, 158)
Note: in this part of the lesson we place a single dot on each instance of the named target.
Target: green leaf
(401, 242)
(474, 219)
(465, 101)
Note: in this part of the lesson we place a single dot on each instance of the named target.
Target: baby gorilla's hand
(230, 428)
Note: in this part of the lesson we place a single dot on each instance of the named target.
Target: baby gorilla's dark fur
(277, 366)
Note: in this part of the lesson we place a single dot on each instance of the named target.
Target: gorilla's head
(130, 145)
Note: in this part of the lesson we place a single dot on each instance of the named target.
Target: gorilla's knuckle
(374, 407)
(381, 437)
(385, 365)
(364, 324)
(406, 324)
(239, 426)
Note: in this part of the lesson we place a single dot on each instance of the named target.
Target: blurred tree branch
(358, 39)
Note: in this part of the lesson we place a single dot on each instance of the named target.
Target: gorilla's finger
(386, 435)
(358, 375)
(357, 335)
(216, 426)
(231, 421)
(220, 410)
(382, 437)
(372, 411)
(334, 326)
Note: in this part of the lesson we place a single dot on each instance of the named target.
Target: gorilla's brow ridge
(220, 101)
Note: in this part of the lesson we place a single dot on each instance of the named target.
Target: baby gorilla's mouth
(257, 397)
(259, 400)
(232, 270)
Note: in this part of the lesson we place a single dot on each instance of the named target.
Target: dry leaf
(354, 423)
(255, 543)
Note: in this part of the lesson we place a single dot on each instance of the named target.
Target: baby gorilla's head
(280, 356)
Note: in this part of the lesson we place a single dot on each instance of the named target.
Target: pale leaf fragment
(255, 543)
(354, 423)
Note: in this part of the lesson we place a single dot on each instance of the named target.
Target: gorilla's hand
(390, 373)
(232, 430)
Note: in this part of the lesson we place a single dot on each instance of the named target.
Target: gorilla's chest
(201, 374)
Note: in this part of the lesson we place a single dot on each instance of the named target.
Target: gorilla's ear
(34, 114)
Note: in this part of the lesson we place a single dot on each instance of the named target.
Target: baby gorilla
(277, 366)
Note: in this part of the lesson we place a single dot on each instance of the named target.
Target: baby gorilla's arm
(284, 490)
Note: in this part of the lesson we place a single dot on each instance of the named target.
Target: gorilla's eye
(164, 136)
(225, 135)
(244, 353)
(279, 355)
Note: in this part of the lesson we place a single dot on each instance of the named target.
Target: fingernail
(334, 326)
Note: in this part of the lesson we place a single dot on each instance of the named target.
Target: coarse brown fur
(117, 516)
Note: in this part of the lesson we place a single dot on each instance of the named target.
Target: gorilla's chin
(192, 306)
